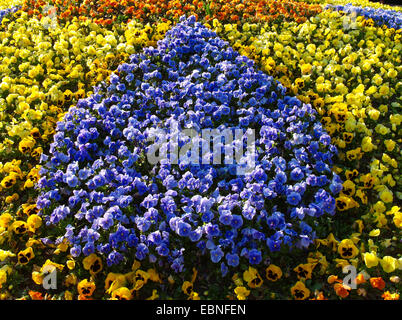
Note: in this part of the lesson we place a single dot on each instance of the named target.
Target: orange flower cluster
(260, 10)
(106, 12)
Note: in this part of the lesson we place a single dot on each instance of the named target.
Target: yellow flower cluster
(5, 4)
(117, 285)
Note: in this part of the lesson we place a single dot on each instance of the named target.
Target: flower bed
(99, 150)
(87, 87)
(107, 12)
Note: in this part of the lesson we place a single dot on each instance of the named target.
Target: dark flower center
(256, 281)
(189, 289)
(96, 266)
(340, 204)
(348, 192)
(347, 252)
(301, 272)
(139, 277)
(299, 294)
(8, 183)
(272, 275)
(21, 229)
(86, 290)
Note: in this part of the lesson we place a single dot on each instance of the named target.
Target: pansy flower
(252, 277)
(93, 263)
(273, 273)
(86, 288)
(347, 249)
(25, 256)
(122, 293)
(299, 291)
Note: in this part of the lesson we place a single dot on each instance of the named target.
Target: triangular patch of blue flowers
(101, 192)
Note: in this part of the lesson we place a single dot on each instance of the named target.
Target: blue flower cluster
(101, 193)
(391, 18)
(6, 12)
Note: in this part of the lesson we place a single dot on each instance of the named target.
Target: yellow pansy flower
(347, 249)
(370, 259)
(388, 264)
(242, 293)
